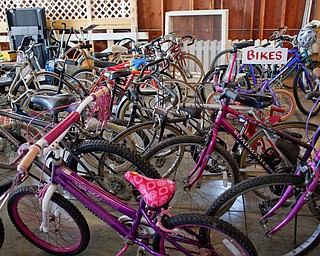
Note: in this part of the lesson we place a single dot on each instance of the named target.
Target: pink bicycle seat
(155, 192)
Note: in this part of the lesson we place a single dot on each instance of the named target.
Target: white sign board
(261, 55)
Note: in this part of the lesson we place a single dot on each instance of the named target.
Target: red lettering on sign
(250, 55)
(264, 55)
(278, 55)
(271, 55)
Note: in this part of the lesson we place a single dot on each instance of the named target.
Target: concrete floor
(104, 241)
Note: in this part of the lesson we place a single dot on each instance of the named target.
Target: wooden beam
(317, 10)
(163, 13)
(284, 13)
(261, 19)
(252, 19)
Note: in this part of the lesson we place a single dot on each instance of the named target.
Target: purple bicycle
(57, 226)
(280, 213)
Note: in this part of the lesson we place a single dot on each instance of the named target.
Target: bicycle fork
(203, 161)
(298, 205)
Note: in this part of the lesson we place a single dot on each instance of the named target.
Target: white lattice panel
(72, 10)
(110, 9)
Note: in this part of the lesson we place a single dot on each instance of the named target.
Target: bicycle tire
(86, 76)
(175, 157)
(222, 58)
(241, 205)
(289, 85)
(207, 86)
(260, 143)
(25, 213)
(108, 162)
(2, 231)
(301, 87)
(141, 137)
(192, 68)
(287, 102)
(176, 72)
(216, 236)
(47, 78)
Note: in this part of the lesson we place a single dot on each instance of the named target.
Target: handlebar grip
(29, 158)
(101, 92)
(230, 94)
(276, 38)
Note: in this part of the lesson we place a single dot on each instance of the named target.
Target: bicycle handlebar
(188, 37)
(283, 37)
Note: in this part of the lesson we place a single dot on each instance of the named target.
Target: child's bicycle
(57, 226)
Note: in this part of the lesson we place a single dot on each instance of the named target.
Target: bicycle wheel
(191, 67)
(222, 58)
(304, 83)
(175, 157)
(86, 76)
(42, 79)
(182, 89)
(242, 207)
(287, 105)
(201, 235)
(2, 233)
(9, 144)
(213, 78)
(105, 164)
(141, 137)
(69, 232)
(176, 72)
(262, 145)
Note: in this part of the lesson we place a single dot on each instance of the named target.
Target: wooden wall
(248, 19)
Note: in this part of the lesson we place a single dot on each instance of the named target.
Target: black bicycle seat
(251, 100)
(53, 103)
(103, 64)
(313, 96)
(193, 111)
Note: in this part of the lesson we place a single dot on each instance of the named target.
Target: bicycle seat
(313, 96)
(102, 54)
(5, 81)
(241, 45)
(103, 64)
(155, 192)
(53, 102)
(117, 74)
(193, 111)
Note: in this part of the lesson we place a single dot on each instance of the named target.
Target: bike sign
(252, 55)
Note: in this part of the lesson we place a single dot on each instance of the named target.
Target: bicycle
(282, 209)
(276, 148)
(283, 99)
(187, 233)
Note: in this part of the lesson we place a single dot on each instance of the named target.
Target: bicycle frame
(221, 121)
(312, 185)
(78, 187)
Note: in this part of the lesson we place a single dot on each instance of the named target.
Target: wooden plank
(252, 19)
(262, 17)
(283, 12)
